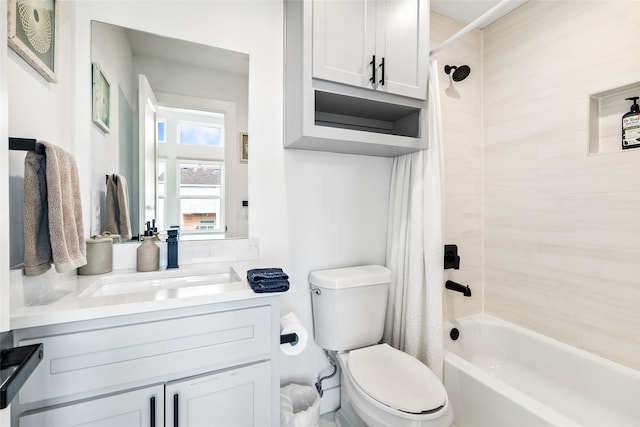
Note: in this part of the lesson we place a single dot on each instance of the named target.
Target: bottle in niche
(148, 253)
(631, 125)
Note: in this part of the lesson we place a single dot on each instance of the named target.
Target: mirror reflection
(179, 119)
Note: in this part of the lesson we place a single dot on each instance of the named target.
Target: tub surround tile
(610, 173)
(561, 230)
(462, 132)
(609, 220)
(548, 233)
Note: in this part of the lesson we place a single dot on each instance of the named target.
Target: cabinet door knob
(382, 71)
(373, 70)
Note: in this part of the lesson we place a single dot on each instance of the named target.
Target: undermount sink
(174, 281)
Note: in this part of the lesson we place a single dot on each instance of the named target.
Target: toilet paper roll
(290, 324)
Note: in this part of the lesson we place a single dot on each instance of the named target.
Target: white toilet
(380, 386)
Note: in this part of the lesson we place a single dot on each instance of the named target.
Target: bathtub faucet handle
(451, 257)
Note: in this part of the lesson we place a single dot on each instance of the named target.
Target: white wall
(5, 414)
(29, 107)
(4, 180)
(38, 109)
(562, 236)
(309, 210)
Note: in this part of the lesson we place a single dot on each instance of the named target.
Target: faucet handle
(173, 232)
(451, 258)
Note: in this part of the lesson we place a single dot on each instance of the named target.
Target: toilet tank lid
(340, 278)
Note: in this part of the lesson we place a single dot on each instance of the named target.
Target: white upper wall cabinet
(374, 44)
(333, 100)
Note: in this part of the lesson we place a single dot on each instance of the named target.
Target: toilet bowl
(380, 385)
(384, 387)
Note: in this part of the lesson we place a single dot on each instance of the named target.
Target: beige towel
(53, 229)
(116, 215)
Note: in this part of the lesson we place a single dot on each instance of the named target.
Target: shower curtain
(415, 247)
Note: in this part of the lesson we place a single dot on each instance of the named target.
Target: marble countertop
(60, 298)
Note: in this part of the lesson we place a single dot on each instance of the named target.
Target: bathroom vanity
(184, 351)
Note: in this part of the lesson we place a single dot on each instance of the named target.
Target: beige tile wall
(561, 227)
(462, 146)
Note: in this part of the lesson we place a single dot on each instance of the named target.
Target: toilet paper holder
(289, 338)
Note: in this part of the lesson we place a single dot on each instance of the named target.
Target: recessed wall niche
(606, 109)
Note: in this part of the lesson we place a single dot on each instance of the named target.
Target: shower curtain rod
(501, 8)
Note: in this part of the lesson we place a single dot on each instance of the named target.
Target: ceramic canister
(99, 256)
(115, 237)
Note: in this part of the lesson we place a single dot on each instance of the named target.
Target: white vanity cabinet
(138, 408)
(233, 398)
(217, 360)
(375, 44)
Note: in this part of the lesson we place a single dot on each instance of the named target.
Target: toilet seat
(396, 380)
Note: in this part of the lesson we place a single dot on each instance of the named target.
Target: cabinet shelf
(349, 112)
(605, 114)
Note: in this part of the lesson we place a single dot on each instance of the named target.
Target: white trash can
(299, 406)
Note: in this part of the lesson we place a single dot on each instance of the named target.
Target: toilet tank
(349, 306)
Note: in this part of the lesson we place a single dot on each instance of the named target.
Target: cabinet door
(402, 39)
(144, 408)
(233, 398)
(347, 34)
(344, 41)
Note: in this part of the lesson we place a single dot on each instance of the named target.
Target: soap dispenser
(631, 125)
(148, 253)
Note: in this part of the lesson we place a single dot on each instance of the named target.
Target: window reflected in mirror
(190, 171)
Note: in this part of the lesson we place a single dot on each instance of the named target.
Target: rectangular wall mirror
(177, 124)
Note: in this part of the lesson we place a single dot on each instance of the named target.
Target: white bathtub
(499, 374)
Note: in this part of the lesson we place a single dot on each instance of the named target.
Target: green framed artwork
(101, 98)
(32, 30)
(244, 147)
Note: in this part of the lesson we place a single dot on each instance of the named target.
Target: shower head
(459, 73)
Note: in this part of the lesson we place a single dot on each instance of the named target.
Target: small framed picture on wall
(244, 147)
(101, 98)
(32, 29)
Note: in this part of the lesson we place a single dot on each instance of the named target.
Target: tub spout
(465, 290)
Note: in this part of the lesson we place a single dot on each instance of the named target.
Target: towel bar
(22, 144)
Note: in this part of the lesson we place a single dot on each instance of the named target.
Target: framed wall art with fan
(32, 30)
